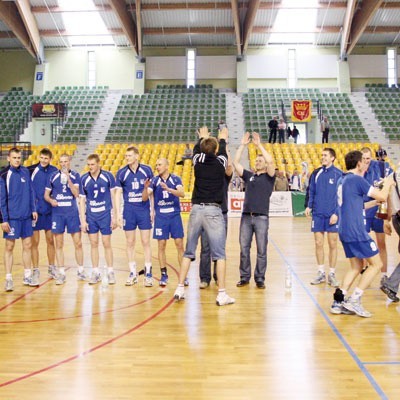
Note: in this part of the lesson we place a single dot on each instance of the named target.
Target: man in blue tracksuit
(375, 172)
(40, 174)
(17, 205)
(322, 203)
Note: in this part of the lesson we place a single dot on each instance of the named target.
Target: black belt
(210, 204)
(254, 214)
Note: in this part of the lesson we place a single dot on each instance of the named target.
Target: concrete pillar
(343, 77)
(241, 76)
(41, 78)
(139, 82)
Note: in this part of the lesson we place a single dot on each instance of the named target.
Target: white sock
(132, 267)
(27, 273)
(96, 270)
(332, 270)
(321, 268)
(344, 292)
(80, 268)
(61, 270)
(147, 267)
(221, 291)
(357, 293)
(110, 269)
(8, 276)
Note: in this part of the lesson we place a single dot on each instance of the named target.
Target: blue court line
(352, 353)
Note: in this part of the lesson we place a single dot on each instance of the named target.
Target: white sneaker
(332, 281)
(35, 278)
(179, 293)
(148, 280)
(61, 279)
(132, 280)
(52, 272)
(223, 299)
(111, 278)
(320, 278)
(356, 306)
(9, 287)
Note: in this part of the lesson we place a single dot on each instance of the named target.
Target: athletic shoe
(186, 282)
(392, 295)
(81, 276)
(148, 280)
(9, 286)
(95, 278)
(179, 293)
(132, 280)
(52, 272)
(204, 285)
(164, 280)
(356, 306)
(61, 279)
(223, 299)
(337, 308)
(111, 278)
(321, 278)
(27, 280)
(35, 278)
(332, 281)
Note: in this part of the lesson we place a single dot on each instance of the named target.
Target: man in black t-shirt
(209, 161)
(255, 219)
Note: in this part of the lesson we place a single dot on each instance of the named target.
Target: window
(291, 68)
(392, 66)
(91, 69)
(190, 67)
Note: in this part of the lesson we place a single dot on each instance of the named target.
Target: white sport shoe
(356, 306)
(95, 278)
(111, 278)
(52, 272)
(132, 280)
(179, 293)
(61, 279)
(332, 281)
(35, 278)
(148, 280)
(320, 278)
(223, 299)
(9, 286)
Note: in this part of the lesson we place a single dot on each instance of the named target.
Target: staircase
(98, 133)
(371, 125)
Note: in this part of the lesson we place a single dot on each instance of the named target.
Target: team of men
(43, 197)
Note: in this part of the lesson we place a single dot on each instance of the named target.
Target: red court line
(99, 346)
(82, 315)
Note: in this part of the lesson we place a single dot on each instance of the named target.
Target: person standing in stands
(18, 209)
(255, 219)
(282, 130)
(97, 214)
(322, 203)
(273, 127)
(209, 161)
(136, 214)
(62, 191)
(295, 133)
(325, 130)
(357, 244)
(166, 188)
(40, 174)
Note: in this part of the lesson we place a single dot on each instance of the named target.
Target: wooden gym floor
(83, 342)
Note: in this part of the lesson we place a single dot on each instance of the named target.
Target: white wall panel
(316, 66)
(216, 67)
(165, 68)
(267, 66)
(368, 66)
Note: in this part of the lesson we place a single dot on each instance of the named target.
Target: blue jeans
(209, 219)
(205, 256)
(259, 226)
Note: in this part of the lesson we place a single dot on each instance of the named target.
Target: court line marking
(381, 362)
(335, 330)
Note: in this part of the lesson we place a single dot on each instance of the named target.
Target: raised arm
(268, 158)
(236, 161)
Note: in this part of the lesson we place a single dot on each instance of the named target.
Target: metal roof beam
(10, 16)
(360, 21)
(249, 22)
(126, 21)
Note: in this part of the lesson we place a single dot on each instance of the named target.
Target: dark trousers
(325, 135)
(272, 136)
